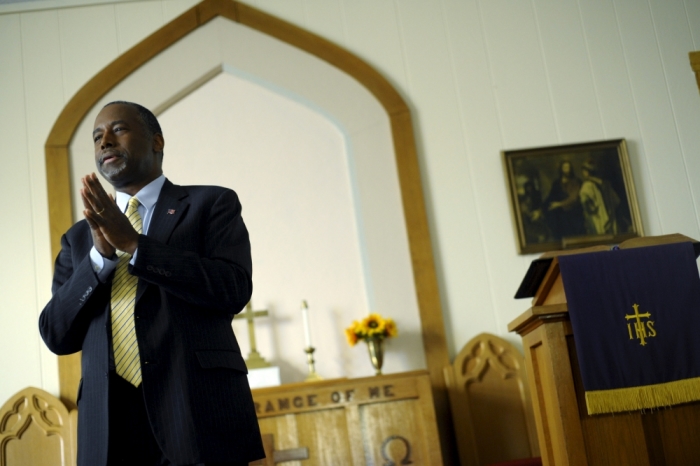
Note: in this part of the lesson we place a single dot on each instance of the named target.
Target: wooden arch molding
(58, 168)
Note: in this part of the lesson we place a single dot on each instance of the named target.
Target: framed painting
(572, 196)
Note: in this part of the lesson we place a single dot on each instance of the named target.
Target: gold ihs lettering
(641, 332)
(640, 326)
(652, 330)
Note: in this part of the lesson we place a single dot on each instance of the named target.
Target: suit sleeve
(76, 299)
(217, 279)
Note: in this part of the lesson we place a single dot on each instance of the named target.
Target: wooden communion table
(386, 419)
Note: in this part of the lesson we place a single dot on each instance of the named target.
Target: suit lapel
(171, 206)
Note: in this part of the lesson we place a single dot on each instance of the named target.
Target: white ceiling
(19, 6)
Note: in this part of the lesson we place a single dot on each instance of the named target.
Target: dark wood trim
(695, 65)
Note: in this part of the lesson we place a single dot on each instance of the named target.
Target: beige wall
(481, 76)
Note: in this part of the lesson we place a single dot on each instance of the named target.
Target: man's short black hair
(149, 119)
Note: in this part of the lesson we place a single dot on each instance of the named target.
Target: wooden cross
(255, 360)
(279, 456)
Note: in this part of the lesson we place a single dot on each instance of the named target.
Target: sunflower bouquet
(372, 327)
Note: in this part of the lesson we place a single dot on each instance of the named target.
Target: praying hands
(110, 228)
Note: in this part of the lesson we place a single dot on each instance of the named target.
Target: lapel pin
(171, 211)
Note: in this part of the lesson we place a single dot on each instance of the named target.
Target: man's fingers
(87, 191)
(98, 192)
(97, 196)
(96, 186)
(93, 186)
(94, 220)
(86, 203)
(89, 220)
(89, 201)
(88, 216)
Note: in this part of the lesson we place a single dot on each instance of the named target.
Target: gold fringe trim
(643, 397)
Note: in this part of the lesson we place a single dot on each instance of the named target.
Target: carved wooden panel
(490, 401)
(36, 429)
(380, 420)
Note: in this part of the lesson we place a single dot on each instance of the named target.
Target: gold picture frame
(572, 196)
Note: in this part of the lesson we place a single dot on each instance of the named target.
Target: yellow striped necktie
(126, 348)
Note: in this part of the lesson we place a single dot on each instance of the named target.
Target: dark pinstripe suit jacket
(194, 270)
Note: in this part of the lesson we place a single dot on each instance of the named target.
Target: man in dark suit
(163, 381)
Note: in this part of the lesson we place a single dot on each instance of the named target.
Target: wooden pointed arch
(58, 166)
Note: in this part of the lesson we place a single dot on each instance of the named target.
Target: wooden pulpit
(567, 434)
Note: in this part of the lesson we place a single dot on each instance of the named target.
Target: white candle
(307, 328)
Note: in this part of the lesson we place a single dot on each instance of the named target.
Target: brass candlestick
(313, 376)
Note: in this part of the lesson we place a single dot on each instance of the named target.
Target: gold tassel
(643, 397)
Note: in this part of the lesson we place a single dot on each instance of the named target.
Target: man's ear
(158, 142)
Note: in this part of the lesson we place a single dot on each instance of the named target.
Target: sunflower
(351, 336)
(373, 325)
(390, 327)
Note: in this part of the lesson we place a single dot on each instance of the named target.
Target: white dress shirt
(147, 196)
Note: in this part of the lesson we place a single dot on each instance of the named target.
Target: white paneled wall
(18, 278)
(134, 21)
(480, 76)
